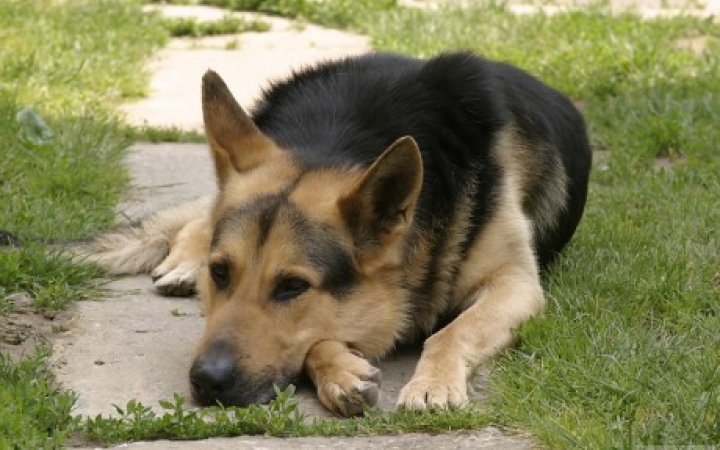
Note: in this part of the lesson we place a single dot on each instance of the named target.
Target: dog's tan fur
(495, 290)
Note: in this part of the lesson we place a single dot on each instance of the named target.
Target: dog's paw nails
(363, 396)
(352, 400)
(370, 393)
(159, 272)
(350, 390)
(428, 393)
(179, 282)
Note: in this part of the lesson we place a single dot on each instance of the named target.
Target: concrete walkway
(488, 439)
(138, 345)
(174, 98)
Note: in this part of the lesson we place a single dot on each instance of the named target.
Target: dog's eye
(289, 288)
(220, 273)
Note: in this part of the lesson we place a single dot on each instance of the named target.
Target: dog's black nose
(213, 376)
(217, 377)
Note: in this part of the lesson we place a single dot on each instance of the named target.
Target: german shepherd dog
(361, 205)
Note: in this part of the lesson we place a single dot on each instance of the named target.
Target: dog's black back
(347, 112)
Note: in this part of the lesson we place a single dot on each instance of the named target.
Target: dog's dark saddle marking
(347, 112)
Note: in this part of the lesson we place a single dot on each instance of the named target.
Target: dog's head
(298, 256)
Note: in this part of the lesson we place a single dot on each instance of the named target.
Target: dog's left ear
(237, 144)
(381, 204)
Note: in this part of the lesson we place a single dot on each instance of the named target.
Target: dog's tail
(141, 246)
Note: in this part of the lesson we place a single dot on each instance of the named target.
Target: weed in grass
(281, 417)
(49, 277)
(401, 421)
(191, 27)
(155, 134)
(136, 421)
(335, 13)
(174, 2)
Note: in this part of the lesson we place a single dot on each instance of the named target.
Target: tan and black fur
(363, 203)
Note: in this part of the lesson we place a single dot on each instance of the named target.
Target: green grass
(334, 13)
(281, 417)
(627, 353)
(49, 277)
(64, 67)
(72, 63)
(73, 73)
(139, 422)
(77, 58)
(61, 141)
(155, 134)
(35, 414)
(190, 27)
(67, 177)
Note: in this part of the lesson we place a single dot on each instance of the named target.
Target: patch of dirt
(697, 44)
(23, 329)
(668, 162)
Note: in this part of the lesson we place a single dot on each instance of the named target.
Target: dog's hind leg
(177, 274)
(346, 382)
(170, 243)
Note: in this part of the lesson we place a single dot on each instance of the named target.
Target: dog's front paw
(346, 383)
(176, 280)
(349, 387)
(429, 392)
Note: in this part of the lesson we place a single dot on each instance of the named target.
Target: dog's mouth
(217, 378)
(236, 395)
(236, 390)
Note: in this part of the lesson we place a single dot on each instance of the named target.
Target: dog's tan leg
(177, 274)
(346, 382)
(451, 355)
(500, 283)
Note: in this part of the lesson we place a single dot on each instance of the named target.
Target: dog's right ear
(236, 143)
(381, 204)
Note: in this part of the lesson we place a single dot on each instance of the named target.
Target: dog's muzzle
(216, 378)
